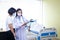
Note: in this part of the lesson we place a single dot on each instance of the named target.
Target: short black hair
(11, 11)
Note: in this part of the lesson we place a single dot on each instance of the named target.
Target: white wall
(51, 14)
(31, 9)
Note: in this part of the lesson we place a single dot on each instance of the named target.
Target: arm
(11, 28)
(17, 24)
(10, 24)
(29, 28)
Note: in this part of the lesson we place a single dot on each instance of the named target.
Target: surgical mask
(14, 14)
(19, 14)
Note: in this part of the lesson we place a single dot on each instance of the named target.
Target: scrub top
(20, 30)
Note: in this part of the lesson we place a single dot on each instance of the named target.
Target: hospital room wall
(51, 14)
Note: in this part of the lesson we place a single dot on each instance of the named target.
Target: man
(9, 24)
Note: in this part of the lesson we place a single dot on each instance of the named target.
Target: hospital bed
(47, 34)
(44, 34)
(34, 31)
(39, 32)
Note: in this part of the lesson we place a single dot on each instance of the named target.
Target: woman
(20, 24)
(9, 24)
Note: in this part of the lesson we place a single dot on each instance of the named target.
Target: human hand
(24, 24)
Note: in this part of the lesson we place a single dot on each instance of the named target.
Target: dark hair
(18, 10)
(11, 11)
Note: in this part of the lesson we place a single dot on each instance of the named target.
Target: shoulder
(10, 18)
(15, 19)
(24, 18)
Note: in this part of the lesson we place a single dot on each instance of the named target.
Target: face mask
(14, 14)
(19, 14)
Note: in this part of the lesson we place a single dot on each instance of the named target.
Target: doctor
(9, 24)
(20, 22)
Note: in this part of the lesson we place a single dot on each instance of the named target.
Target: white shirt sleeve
(9, 20)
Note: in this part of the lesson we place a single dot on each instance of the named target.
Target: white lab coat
(20, 31)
